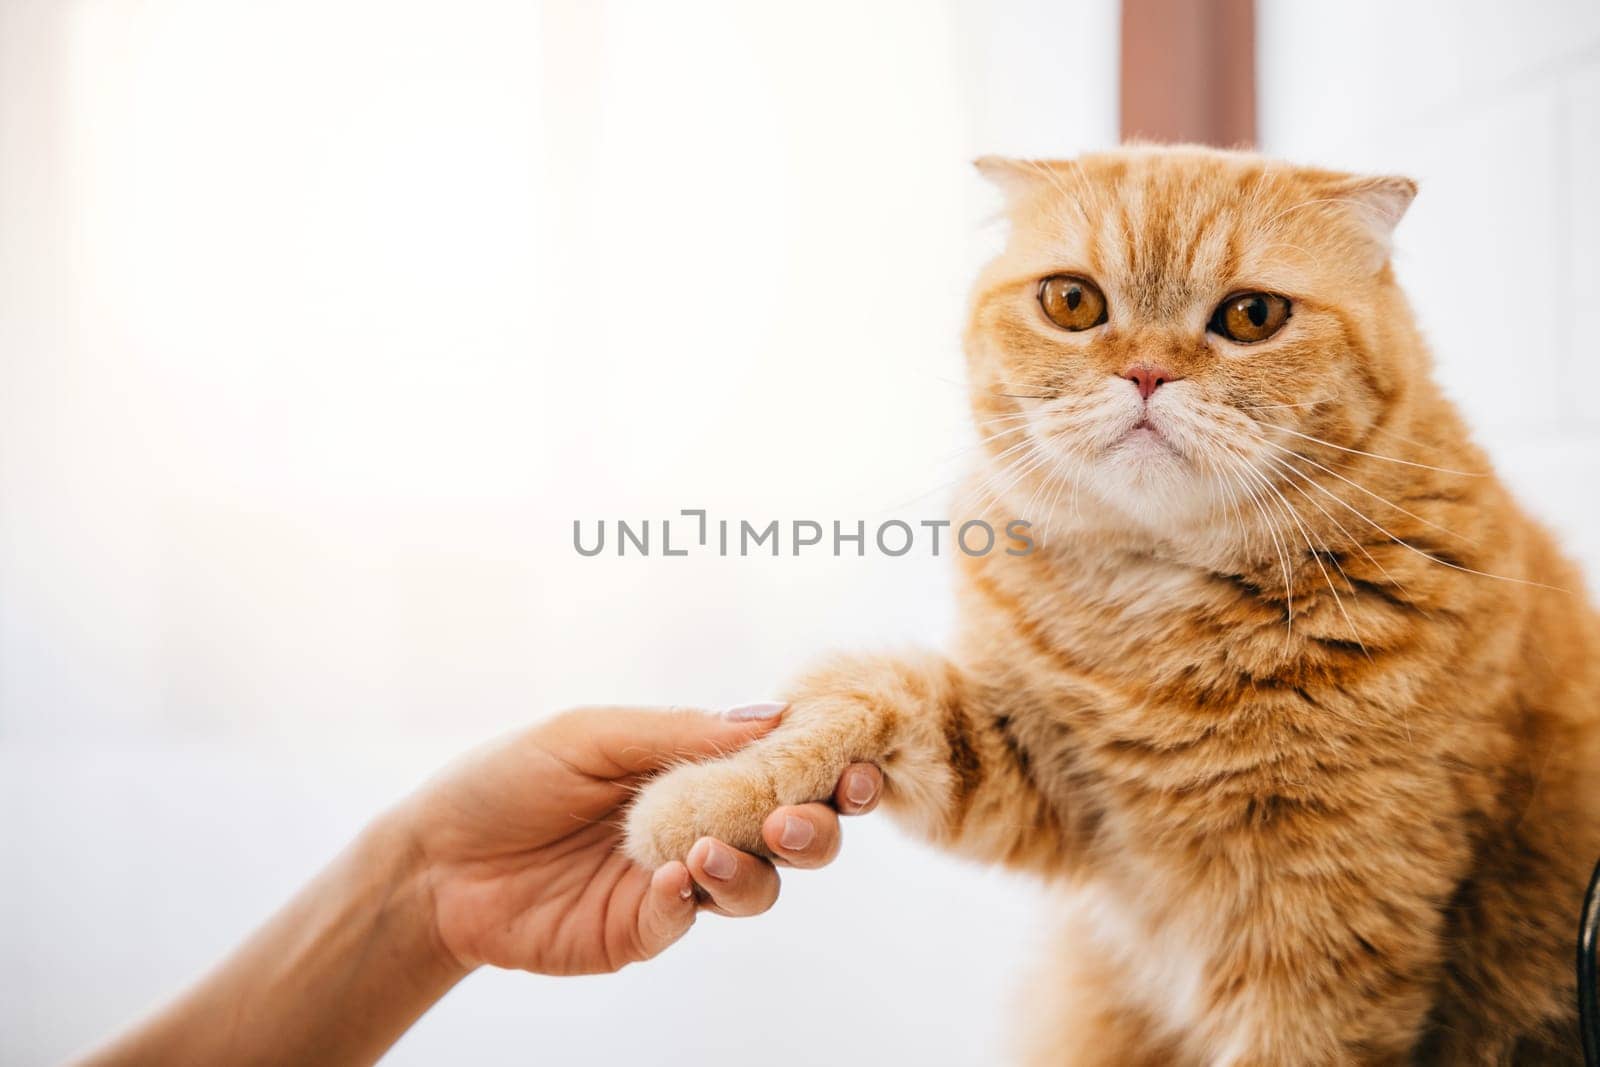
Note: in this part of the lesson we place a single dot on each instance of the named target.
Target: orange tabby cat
(1294, 705)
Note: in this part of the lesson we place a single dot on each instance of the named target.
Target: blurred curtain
(1188, 71)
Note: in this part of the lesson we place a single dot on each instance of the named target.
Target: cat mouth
(1144, 429)
(1145, 435)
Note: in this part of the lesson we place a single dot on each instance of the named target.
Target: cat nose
(1148, 378)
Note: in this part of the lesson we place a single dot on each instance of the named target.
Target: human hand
(509, 857)
(518, 842)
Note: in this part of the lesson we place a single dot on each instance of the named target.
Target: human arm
(508, 857)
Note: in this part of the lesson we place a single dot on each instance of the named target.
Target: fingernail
(719, 862)
(767, 709)
(797, 833)
(860, 788)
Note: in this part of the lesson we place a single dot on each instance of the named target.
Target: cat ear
(1011, 176)
(1377, 203)
(1020, 179)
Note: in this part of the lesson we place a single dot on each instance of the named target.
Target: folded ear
(1021, 179)
(1376, 203)
(1010, 176)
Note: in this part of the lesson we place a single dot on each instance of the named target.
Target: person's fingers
(858, 790)
(667, 909)
(803, 835)
(807, 835)
(737, 883)
(619, 742)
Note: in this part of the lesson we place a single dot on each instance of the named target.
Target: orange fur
(1295, 706)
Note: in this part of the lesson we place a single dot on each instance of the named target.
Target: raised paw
(727, 799)
(799, 762)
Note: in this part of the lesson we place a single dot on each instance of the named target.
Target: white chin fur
(1151, 485)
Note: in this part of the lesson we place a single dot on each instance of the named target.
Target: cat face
(1164, 321)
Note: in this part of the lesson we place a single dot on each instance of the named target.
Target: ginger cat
(1293, 705)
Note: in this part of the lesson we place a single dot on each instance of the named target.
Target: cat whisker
(1316, 556)
(1014, 416)
(1372, 455)
(1238, 466)
(960, 453)
(969, 387)
(1435, 559)
(1358, 486)
(1054, 502)
(1354, 541)
(981, 442)
(1227, 481)
(1406, 440)
(1303, 404)
(1003, 459)
(1233, 501)
(1015, 471)
(1066, 468)
(1024, 443)
(1077, 477)
(1009, 391)
(1048, 484)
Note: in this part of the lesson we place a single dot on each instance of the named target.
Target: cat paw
(726, 799)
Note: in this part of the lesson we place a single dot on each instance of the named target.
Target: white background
(320, 323)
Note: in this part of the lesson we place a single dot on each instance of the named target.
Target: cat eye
(1071, 302)
(1249, 317)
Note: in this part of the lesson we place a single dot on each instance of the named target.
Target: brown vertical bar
(1189, 71)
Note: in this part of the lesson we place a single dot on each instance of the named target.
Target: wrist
(390, 851)
(335, 977)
